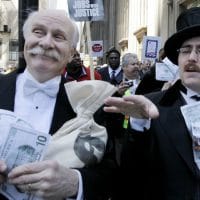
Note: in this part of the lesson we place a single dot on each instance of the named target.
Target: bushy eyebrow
(55, 31)
(37, 25)
(185, 45)
(190, 46)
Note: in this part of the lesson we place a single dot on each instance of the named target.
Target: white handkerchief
(81, 141)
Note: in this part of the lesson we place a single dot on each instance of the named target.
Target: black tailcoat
(159, 162)
(98, 179)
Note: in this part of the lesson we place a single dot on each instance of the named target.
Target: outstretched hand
(136, 106)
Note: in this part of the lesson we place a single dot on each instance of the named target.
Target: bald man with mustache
(50, 40)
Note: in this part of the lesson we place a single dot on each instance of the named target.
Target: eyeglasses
(186, 51)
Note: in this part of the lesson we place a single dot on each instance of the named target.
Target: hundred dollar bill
(22, 145)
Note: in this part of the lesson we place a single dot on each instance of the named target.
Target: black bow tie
(195, 97)
(183, 89)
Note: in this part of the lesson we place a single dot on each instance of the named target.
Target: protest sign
(151, 47)
(96, 48)
(86, 10)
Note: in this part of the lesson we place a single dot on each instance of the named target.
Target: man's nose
(46, 42)
(194, 55)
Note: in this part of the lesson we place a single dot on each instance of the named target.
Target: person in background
(148, 82)
(50, 40)
(130, 67)
(145, 66)
(75, 70)
(112, 73)
(131, 76)
(160, 156)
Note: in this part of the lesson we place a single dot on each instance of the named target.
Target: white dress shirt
(37, 108)
(117, 71)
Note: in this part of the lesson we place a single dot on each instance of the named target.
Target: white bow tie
(31, 87)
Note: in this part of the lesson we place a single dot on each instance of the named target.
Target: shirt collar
(191, 92)
(56, 80)
(116, 70)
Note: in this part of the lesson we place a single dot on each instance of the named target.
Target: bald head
(57, 15)
(50, 39)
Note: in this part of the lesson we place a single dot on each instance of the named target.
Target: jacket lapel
(180, 139)
(171, 114)
(106, 75)
(63, 110)
(119, 77)
(7, 91)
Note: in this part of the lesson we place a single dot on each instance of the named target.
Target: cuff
(80, 188)
(140, 124)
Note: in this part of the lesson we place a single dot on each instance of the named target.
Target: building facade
(124, 26)
(127, 22)
(9, 35)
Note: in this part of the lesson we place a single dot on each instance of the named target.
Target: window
(13, 50)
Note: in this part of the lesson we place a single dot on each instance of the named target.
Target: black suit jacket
(159, 163)
(97, 179)
(149, 83)
(112, 121)
(106, 76)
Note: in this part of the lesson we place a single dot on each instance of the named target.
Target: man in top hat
(161, 158)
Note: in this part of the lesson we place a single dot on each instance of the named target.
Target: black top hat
(188, 26)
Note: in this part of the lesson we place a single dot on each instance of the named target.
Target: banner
(86, 10)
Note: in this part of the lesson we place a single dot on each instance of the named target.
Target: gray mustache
(49, 53)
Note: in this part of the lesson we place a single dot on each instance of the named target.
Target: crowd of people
(152, 151)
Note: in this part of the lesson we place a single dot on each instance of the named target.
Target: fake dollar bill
(191, 114)
(20, 144)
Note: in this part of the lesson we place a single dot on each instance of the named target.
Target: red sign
(97, 47)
